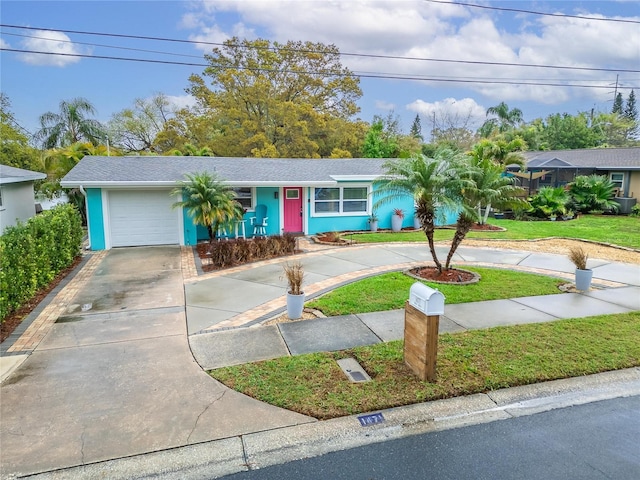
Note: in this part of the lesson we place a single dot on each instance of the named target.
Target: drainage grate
(353, 370)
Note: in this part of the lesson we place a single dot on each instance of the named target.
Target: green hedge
(33, 253)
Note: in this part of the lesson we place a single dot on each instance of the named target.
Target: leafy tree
(70, 125)
(613, 129)
(272, 99)
(208, 200)
(135, 129)
(190, 150)
(56, 163)
(416, 128)
(434, 183)
(15, 150)
(592, 192)
(564, 131)
(617, 104)
(380, 142)
(631, 114)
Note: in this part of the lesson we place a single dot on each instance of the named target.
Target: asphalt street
(595, 441)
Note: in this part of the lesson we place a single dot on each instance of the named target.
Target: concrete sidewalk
(243, 345)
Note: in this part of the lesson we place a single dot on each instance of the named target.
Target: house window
(617, 178)
(340, 200)
(245, 197)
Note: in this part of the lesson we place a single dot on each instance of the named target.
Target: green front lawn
(468, 362)
(390, 290)
(619, 230)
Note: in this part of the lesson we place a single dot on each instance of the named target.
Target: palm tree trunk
(463, 225)
(486, 213)
(428, 226)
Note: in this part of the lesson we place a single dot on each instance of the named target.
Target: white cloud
(449, 110)
(4, 44)
(181, 101)
(50, 42)
(414, 28)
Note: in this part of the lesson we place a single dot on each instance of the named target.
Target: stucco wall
(17, 204)
(634, 185)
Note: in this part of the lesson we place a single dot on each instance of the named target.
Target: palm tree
(507, 119)
(70, 125)
(434, 183)
(208, 200)
(490, 185)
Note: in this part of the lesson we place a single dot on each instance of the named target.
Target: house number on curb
(371, 419)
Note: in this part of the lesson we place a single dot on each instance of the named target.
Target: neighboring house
(17, 201)
(129, 201)
(620, 165)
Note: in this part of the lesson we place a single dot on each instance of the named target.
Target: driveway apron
(115, 377)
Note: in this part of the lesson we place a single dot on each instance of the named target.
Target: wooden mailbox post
(421, 321)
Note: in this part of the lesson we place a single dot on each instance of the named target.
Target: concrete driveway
(115, 376)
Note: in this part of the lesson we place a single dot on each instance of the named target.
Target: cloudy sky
(415, 57)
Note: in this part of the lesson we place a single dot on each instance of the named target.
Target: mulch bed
(452, 275)
(486, 227)
(14, 319)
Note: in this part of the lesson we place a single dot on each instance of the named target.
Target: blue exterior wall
(95, 218)
(266, 196)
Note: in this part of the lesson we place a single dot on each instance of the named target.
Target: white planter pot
(373, 226)
(583, 279)
(295, 305)
(416, 223)
(396, 223)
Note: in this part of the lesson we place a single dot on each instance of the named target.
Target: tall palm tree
(507, 118)
(434, 183)
(208, 200)
(70, 125)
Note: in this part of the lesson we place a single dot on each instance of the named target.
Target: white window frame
(341, 200)
(253, 197)
(615, 182)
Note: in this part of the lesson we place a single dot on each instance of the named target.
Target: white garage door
(142, 218)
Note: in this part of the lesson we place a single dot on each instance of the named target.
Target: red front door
(293, 209)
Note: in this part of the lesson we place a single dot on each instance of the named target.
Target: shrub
(549, 202)
(592, 193)
(235, 252)
(635, 211)
(33, 253)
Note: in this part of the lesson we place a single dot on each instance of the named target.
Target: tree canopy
(276, 100)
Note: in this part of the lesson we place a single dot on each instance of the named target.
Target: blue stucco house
(129, 202)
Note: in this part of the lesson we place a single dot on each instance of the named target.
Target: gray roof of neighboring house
(15, 175)
(166, 171)
(598, 158)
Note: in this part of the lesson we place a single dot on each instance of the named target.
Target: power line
(364, 55)
(563, 15)
(361, 75)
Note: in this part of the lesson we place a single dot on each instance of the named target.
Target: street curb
(226, 456)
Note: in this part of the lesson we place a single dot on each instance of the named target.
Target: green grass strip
(468, 362)
(389, 291)
(618, 230)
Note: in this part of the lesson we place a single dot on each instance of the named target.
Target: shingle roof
(143, 170)
(599, 158)
(15, 175)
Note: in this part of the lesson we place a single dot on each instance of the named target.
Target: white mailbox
(428, 300)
